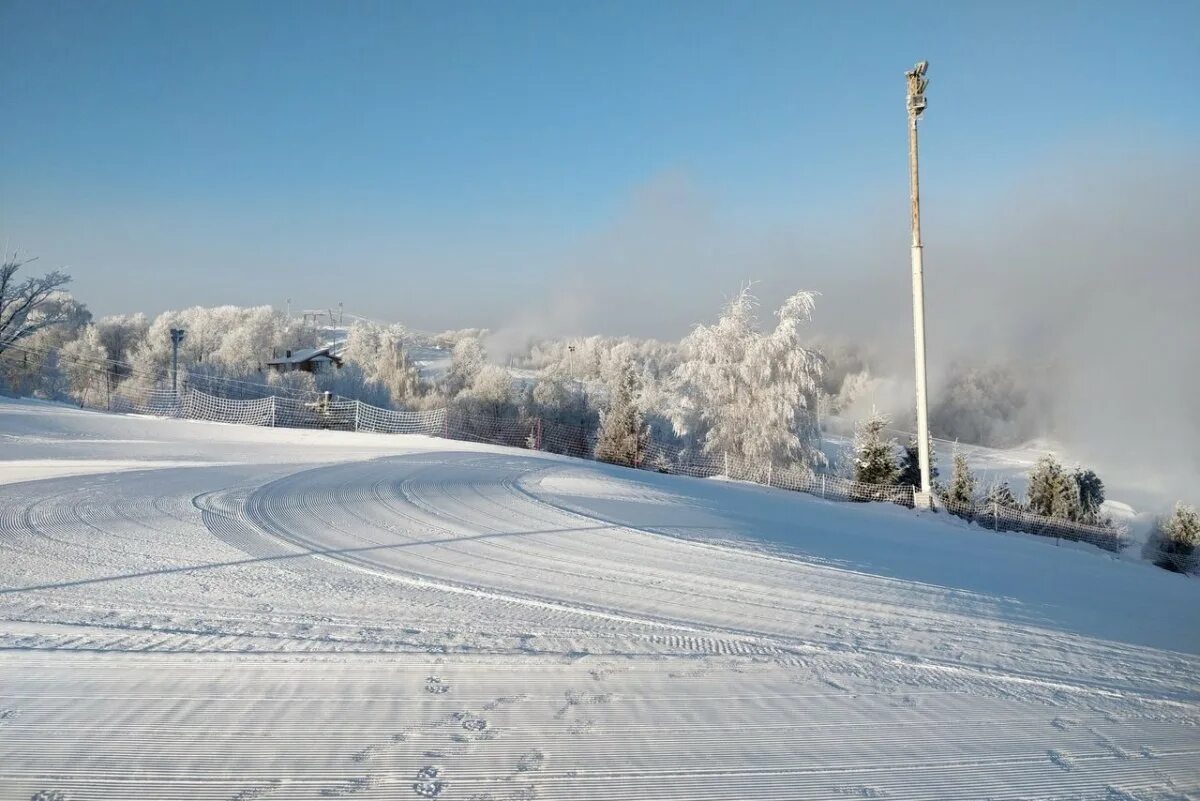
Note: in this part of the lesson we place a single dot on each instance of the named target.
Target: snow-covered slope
(278, 614)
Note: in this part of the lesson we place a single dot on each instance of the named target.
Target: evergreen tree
(961, 492)
(874, 455)
(1090, 490)
(1052, 493)
(1178, 536)
(623, 433)
(1002, 495)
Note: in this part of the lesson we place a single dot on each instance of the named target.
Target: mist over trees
(733, 388)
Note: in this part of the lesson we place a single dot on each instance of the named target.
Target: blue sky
(447, 163)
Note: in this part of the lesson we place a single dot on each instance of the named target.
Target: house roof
(305, 355)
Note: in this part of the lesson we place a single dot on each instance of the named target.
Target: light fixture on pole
(916, 106)
(177, 335)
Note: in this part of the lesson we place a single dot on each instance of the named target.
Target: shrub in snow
(623, 433)
(749, 395)
(874, 453)
(1176, 538)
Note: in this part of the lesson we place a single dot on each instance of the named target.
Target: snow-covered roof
(304, 355)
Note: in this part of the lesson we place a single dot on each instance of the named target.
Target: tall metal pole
(916, 105)
(177, 335)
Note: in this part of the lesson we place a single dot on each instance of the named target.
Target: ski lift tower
(916, 106)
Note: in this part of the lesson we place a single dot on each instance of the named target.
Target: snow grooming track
(492, 625)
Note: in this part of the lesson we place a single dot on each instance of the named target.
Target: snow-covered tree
(874, 452)
(229, 344)
(31, 365)
(563, 410)
(1090, 490)
(1051, 491)
(26, 306)
(296, 383)
(1002, 495)
(84, 362)
(467, 360)
(1177, 537)
(623, 433)
(749, 394)
(960, 494)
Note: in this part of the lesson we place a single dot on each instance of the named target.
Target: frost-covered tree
(563, 410)
(1176, 538)
(380, 352)
(960, 493)
(467, 360)
(295, 383)
(1052, 492)
(352, 382)
(748, 394)
(228, 346)
(490, 397)
(32, 365)
(874, 452)
(1002, 495)
(26, 306)
(1090, 490)
(623, 433)
(84, 361)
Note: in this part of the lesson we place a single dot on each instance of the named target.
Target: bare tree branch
(23, 307)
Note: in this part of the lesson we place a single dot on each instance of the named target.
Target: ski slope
(206, 611)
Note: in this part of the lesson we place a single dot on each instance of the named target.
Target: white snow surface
(205, 611)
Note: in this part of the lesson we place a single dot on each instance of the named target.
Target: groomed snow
(205, 611)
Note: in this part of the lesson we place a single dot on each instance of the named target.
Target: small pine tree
(623, 433)
(1000, 499)
(1002, 495)
(1090, 490)
(1178, 536)
(874, 455)
(961, 492)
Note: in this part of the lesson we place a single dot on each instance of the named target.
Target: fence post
(272, 411)
(357, 403)
(822, 485)
(995, 516)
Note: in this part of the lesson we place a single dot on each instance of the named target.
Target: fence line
(335, 413)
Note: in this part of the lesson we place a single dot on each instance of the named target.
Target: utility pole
(177, 335)
(916, 106)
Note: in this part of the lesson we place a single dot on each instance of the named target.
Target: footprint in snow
(531, 761)
(436, 686)
(1060, 759)
(48, 795)
(474, 724)
(429, 783)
